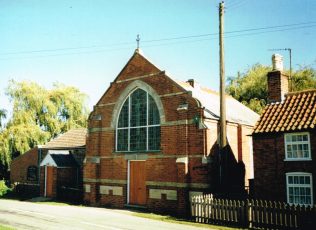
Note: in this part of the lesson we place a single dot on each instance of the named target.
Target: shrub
(3, 188)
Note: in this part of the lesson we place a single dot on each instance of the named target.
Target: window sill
(299, 159)
(301, 205)
(137, 152)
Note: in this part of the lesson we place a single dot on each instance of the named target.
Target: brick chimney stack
(278, 83)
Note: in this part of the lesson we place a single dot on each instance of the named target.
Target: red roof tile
(296, 112)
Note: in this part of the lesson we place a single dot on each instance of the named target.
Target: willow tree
(38, 115)
(3, 115)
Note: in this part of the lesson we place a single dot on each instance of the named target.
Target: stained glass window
(138, 127)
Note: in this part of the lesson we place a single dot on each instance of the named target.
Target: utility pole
(222, 138)
(223, 142)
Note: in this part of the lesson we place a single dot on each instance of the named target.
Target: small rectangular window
(299, 188)
(297, 146)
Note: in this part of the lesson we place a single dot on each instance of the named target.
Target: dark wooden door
(137, 194)
(49, 181)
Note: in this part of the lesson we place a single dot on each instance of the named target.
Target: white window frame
(297, 143)
(299, 185)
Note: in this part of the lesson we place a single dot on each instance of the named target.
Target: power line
(67, 54)
(66, 48)
(270, 27)
(235, 5)
(234, 33)
(231, 2)
(271, 31)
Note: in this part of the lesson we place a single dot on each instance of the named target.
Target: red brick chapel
(152, 141)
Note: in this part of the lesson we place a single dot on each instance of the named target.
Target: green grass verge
(55, 203)
(13, 196)
(171, 219)
(5, 227)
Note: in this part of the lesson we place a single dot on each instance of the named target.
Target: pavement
(29, 215)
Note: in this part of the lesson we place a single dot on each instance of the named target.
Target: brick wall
(270, 167)
(19, 166)
(278, 86)
(246, 149)
(54, 182)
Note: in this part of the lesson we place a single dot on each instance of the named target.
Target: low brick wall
(73, 195)
(26, 191)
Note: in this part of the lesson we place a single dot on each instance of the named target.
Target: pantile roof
(297, 112)
(74, 138)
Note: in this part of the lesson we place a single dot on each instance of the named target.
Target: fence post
(249, 212)
(199, 209)
(192, 206)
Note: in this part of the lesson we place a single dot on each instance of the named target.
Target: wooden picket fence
(257, 214)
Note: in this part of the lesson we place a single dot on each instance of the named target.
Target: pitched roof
(60, 160)
(74, 138)
(64, 160)
(297, 112)
(235, 111)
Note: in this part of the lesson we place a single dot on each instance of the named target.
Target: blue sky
(85, 43)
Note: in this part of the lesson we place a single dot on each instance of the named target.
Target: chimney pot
(277, 62)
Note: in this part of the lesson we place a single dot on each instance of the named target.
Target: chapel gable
(137, 66)
(139, 72)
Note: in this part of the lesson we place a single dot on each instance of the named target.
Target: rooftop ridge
(202, 88)
(300, 92)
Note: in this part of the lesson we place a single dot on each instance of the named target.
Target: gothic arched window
(138, 126)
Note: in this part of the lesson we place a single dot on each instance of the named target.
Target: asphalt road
(28, 215)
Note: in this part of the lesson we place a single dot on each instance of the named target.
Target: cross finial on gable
(137, 40)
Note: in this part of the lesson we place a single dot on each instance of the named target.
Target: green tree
(250, 88)
(38, 115)
(3, 115)
(304, 78)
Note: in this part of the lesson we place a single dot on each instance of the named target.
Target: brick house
(152, 141)
(25, 169)
(284, 143)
